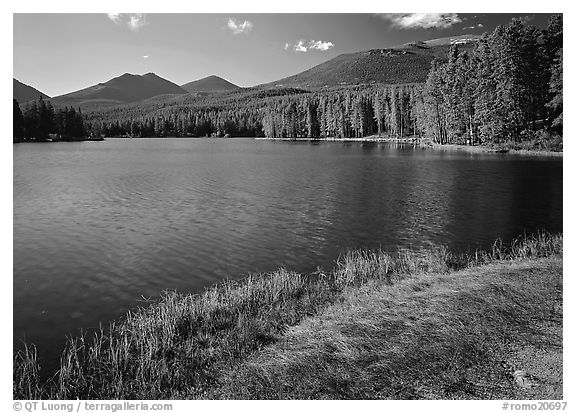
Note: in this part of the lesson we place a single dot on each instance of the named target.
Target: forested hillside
(405, 64)
(25, 93)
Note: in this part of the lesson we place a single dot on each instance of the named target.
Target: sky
(61, 53)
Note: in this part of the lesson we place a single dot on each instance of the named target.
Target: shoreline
(61, 140)
(489, 150)
(432, 146)
(369, 139)
(196, 346)
(412, 141)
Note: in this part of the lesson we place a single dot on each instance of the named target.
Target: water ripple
(98, 226)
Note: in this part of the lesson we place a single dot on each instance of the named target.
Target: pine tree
(312, 125)
(378, 112)
(45, 119)
(556, 89)
(18, 123)
(31, 121)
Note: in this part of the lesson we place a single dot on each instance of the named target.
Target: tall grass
(457, 335)
(26, 374)
(181, 345)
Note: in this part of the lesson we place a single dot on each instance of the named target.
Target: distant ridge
(445, 41)
(209, 84)
(126, 88)
(408, 63)
(24, 93)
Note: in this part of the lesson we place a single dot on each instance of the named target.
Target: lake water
(100, 225)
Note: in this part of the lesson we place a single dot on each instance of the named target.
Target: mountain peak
(125, 88)
(129, 75)
(210, 83)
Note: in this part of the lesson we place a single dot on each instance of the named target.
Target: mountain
(408, 63)
(24, 93)
(461, 40)
(209, 84)
(127, 88)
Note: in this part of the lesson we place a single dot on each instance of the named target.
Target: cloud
(303, 46)
(300, 47)
(422, 20)
(526, 19)
(146, 56)
(478, 26)
(238, 27)
(115, 17)
(134, 21)
(137, 21)
(320, 45)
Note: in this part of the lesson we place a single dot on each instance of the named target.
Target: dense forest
(40, 122)
(508, 89)
(505, 90)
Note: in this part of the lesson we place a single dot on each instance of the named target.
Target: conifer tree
(18, 123)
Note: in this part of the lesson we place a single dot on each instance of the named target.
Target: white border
(301, 6)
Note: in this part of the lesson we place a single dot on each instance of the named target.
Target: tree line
(234, 114)
(350, 111)
(40, 122)
(509, 88)
(191, 122)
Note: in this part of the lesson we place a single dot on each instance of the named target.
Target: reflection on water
(99, 225)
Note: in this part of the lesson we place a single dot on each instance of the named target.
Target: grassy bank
(496, 149)
(230, 341)
(464, 335)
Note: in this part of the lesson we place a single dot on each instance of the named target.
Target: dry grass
(186, 346)
(429, 337)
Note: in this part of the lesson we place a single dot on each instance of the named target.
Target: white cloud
(238, 27)
(478, 26)
(422, 20)
(300, 47)
(526, 19)
(115, 17)
(137, 21)
(134, 21)
(320, 45)
(303, 46)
